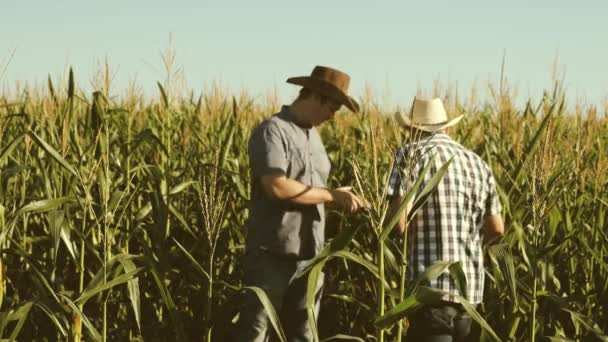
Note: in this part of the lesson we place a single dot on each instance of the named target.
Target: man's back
(449, 227)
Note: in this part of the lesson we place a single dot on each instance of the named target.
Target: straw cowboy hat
(426, 115)
(328, 82)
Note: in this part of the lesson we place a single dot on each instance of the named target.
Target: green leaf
(503, 257)
(133, 287)
(196, 264)
(52, 317)
(108, 285)
(311, 294)
(431, 273)
(237, 180)
(43, 281)
(588, 323)
(391, 253)
(359, 260)
(181, 187)
(45, 205)
(227, 145)
(167, 299)
(98, 278)
(411, 303)
(90, 328)
(429, 188)
(423, 295)
(270, 311)
(336, 244)
(349, 299)
(143, 212)
(115, 200)
(53, 153)
(163, 95)
(598, 259)
(470, 309)
(459, 277)
(408, 197)
(21, 315)
(65, 237)
(56, 220)
(181, 220)
(11, 146)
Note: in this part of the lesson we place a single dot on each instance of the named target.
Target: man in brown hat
(451, 225)
(286, 226)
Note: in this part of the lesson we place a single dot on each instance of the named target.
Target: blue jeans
(275, 275)
(445, 322)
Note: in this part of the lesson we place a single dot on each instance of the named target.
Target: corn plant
(122, 217)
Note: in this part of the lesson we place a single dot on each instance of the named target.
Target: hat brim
(327, 89)
(405, 122)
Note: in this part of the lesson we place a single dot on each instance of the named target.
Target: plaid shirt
(449, 227)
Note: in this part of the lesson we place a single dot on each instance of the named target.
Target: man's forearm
(296, 192)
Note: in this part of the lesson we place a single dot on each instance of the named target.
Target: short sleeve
(493, 206)
(267, 151)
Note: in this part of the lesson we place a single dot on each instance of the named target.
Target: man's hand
(344, 198)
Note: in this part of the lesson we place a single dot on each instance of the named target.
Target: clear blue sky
(394, 46)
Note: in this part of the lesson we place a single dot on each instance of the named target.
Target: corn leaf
(270, 311)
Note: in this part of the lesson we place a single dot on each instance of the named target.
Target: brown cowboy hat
(328, 82)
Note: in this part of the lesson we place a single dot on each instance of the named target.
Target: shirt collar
(431, 139)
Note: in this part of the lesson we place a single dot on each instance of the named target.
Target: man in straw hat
(286, 226)
(450, 225)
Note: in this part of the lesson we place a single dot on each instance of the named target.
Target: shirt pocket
(298, 165)
(321, 166)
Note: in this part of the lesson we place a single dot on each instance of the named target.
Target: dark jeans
(445, 322)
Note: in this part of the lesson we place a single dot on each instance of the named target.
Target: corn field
(122, 219)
